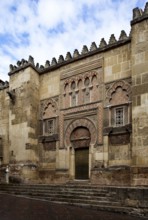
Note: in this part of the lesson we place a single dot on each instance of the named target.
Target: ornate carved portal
(80, 139)
(80, 154)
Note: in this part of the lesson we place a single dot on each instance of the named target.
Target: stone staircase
(82, 195)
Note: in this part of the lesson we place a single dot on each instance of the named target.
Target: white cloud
(48, 28)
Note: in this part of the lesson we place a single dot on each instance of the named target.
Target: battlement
(139, 15)
(103, 46)
(3, 84)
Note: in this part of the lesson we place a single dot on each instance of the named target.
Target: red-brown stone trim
(61, 119)
(100, 123)
(81, 122)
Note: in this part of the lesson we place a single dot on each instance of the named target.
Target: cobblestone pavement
(19, 208)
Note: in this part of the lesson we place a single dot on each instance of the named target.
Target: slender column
(90, 158)
(106, 153)
(72, 162)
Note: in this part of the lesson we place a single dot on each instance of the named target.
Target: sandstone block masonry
(81, 117)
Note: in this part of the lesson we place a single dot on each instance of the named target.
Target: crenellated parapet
(3, 84)
(94, 49)
(139, 14)
(21, 65)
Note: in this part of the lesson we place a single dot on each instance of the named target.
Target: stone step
(71, 200)
(90, 194)
(101, 198)
(102, 207)
(56, 189)
(63, 193)
(56, 194)
(52, 186)
(60, 191)
(112, 208)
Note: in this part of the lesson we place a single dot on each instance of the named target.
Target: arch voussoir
(78, 123)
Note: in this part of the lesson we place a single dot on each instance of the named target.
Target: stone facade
(82, 117)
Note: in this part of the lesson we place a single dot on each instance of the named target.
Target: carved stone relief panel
(118, 93)
(81, 89)
(90, 112)
(49, 112)
(118, 99)
(49, 108)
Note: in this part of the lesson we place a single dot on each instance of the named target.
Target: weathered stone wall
(50, 84)
(49, 109)
(23, 120)
(139, 48)
(117, 73)
(104, 89)
(4, 125)
(112, 176)
(117, 63)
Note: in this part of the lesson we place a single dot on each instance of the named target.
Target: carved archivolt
(49, 109)
(119, 93)
(81, 123)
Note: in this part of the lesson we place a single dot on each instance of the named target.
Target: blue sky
(49, 28)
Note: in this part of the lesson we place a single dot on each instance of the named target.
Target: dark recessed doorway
(81, 163)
